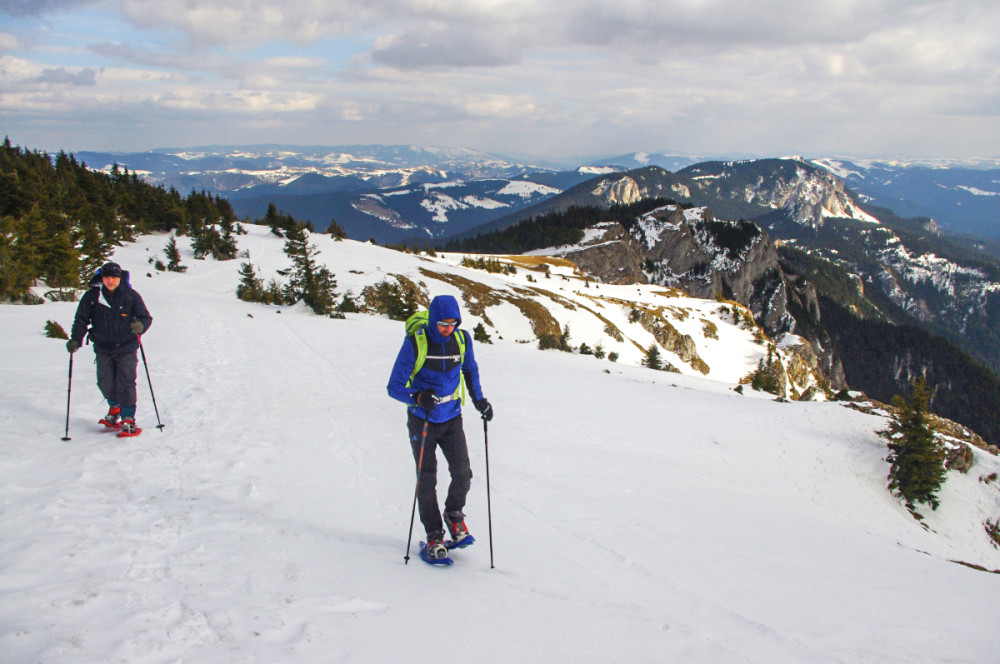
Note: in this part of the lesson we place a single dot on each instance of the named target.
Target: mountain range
(321, 183)
(822, 260)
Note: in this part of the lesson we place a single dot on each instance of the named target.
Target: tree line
(60, 220)
(553, 229)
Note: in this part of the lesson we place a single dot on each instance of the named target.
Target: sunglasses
(446, 323)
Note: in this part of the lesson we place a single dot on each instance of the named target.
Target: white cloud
(773, 77)
(8, 41)
(501, 106)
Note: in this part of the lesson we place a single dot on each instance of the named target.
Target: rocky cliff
(690, 250)
(687, 248)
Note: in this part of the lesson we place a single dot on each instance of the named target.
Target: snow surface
(637, 516)
(975, 191)
(526, 189)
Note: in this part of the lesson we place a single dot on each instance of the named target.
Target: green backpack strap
(416, 327)
(420, 341)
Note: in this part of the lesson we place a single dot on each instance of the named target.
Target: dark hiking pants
(116, 380)
(450, 439)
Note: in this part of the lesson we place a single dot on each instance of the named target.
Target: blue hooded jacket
(443, 375)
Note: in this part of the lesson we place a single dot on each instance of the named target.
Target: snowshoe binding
(113, 419)
(434, 551)
(460, 537)
(129, 429)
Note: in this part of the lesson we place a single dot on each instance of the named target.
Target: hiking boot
(111, 419)
(436, 549)
(128, 427)
(456, 528)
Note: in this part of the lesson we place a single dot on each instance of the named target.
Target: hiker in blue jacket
(113, 316)
(435, 394)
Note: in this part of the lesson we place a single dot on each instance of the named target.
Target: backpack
(416, 327)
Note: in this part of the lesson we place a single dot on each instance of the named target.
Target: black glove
(136, 326)
(485, 409)
(427, 400)
(72, 345)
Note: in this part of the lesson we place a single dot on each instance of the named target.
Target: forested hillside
(882, 349)
(59, 220)
(552, 229)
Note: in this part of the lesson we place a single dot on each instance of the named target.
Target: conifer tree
(54, 330)
(653, 360)
(173, 255)
(17, 270)
(480, 335)
(335, 231)
(251, 287)
(917, 461)
(308, 281)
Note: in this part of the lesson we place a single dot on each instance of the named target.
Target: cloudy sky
(556, 78)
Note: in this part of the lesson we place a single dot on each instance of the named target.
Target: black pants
(116, 380)
(450, 438)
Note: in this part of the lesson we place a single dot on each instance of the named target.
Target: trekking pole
(69, 391)
(489, 510)
(413, 512)
(144, 364)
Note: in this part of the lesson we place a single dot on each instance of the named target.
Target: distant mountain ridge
(962, 198)
(241, 170)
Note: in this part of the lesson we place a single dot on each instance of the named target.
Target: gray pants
(116, 380)
(450, 439)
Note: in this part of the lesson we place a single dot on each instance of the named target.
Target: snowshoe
(435, 552)
(111, 420)
(460, 537)
(129, 429)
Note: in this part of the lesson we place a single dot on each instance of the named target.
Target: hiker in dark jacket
(114, 315)
(435, 394)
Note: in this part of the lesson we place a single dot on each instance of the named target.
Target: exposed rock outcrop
(690, 250)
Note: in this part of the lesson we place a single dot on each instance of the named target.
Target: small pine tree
(308, 281)
(54, 330)
(251, 287)
(347, 304)
(564, 339)
(479, 334)
(653, 360)
(917, 461)
(336, 231)
(173, 255)
(394, 300)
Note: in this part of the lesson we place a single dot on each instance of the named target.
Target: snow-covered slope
(637, 515)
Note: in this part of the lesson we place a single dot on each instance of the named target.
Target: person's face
(111, 283)
(446, 327)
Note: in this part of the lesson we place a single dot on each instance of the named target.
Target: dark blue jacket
(443, 375)
(108, 315)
